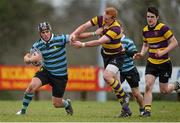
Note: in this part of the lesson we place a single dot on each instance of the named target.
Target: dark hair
(153, 10)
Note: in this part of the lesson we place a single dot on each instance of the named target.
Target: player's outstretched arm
(82, 28)
(92, 43)
(84, 35)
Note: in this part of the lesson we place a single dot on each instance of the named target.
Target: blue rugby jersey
(54, 54)
(129, 46)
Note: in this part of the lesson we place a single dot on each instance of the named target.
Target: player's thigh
(110, 72)
(165, 70)
(58, 84)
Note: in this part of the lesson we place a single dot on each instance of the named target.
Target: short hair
(153, 10)
(111, 11)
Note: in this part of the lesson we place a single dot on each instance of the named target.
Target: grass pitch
(88, 111)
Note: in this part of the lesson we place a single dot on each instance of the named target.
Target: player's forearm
(144, 49)
(86, 35)
(92, 43)
(173, 44)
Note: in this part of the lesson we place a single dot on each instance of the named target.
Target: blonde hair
(111, 11)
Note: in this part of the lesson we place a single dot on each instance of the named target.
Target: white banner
(175, 77)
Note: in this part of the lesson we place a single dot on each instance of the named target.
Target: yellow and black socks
(117, 87)
(147, 108)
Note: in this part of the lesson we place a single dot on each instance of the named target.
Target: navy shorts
(132, 77)
(163, 71)
(116, 59)
(58, 83)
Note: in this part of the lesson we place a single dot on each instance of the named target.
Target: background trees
(19, 19)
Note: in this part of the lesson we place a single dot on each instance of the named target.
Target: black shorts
(132, 77)
(58, 83)
(116, 59)
(163, 71)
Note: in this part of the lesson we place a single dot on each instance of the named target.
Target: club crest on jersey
(156, 33)
(114, 61)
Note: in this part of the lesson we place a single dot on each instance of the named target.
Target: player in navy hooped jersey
(50, 48)
(130, 73)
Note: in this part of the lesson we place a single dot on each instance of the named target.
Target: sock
(147, 108)
(66, 104)
(26, 100)
(117, 87)
(141, 109)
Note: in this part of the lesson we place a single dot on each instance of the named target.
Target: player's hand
(27, 58)
(99, 31)
(159, 53)
(137, 56)
(72, 38)
(77, 44)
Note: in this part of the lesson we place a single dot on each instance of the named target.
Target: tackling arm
(82, 28)
(102, 40)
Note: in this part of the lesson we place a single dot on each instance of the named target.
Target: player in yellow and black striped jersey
(158, 42)
(112, 51)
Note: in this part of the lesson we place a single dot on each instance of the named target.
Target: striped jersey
(157, 38)
(113, 32)
(54, 54)
(129, 46)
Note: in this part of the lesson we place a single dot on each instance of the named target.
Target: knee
(136, 94)
(148, 88)
(107, 76)
(31, 88)
(34, 85)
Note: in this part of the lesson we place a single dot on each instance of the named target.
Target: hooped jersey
(54, 54)
(113, 32)
(157, 39)
(129, 46)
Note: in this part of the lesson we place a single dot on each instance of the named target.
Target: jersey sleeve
(97, 21)
(131, 46)
(167, 33)
(66, 38)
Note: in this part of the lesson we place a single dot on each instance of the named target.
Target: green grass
(88, 111)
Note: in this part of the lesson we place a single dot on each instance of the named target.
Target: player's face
(45, 35)
(107, 18)
(151, 19)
